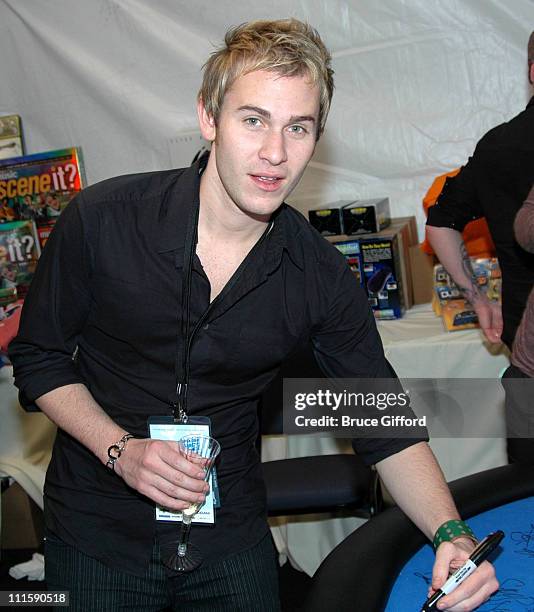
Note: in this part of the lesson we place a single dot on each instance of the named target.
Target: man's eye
(297, 129)
(253, 121)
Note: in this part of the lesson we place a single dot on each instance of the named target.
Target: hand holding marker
(479, 554)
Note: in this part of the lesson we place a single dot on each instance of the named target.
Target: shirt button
(206, 326)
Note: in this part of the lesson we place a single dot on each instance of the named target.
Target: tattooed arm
(450, 249)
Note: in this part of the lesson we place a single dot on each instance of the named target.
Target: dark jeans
(519, 408)
(247, 581)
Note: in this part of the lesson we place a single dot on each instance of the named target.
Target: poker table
(386, 564)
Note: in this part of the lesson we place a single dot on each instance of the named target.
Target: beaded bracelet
(116, 450)
(451, 530)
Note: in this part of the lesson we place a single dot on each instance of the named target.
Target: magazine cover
(19, 252)
(10, 137)
(38, 187)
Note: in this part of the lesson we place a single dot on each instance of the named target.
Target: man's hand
(414, 479)
(475, 589)
(451, 251)
(157, 469)
(490, 319)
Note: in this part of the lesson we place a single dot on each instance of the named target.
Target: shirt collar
(284, 236)
(182, 198)
(179, 202)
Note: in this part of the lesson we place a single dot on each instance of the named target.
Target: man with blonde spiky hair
(176, 296)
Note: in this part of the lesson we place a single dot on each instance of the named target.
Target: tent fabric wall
(417, 83)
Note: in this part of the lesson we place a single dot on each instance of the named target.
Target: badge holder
(165, 428)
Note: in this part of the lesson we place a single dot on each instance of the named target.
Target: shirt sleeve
(54, 312)
(458, 203)
(347, 345)
(524, 224)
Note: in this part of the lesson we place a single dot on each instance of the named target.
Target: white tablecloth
(25, 440)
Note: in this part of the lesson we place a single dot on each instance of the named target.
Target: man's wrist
(468, 544)
(454, 529)
(474, 296)
(116, 449)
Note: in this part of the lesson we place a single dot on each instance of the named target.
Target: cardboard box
(458, 314)
(366, 216)
(384, 266)
(444, 289)
(403, 233)
(421, 268)
(11, 144)
(410, 229)
(382, 275)
(448, 302)
(327, 221)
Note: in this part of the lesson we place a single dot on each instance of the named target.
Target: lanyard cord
(182, 366)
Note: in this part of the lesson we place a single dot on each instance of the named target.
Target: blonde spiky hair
(288, 47)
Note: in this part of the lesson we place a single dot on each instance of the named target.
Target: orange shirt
(476, 234)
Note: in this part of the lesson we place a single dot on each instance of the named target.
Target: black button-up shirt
(109, 284)
(494, 184)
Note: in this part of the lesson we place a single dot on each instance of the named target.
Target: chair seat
(312, 484)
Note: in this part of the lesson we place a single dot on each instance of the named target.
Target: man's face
(263, 140)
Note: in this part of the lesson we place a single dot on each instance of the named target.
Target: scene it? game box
(38, 187)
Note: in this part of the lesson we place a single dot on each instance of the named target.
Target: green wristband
(451, 530)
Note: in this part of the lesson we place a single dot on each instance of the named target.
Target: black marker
(479, 554)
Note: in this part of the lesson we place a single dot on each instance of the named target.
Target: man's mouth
(267, 182)
(269, 178)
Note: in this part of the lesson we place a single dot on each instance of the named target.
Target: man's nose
(274, 148)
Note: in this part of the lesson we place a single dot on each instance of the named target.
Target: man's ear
(531, 74)
(205, 121)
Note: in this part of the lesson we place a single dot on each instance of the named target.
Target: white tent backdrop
(418, 82)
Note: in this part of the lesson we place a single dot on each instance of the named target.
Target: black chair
(360, 572)
(322, 483)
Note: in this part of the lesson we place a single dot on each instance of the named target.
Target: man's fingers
(178, 478)
(165, 501)
(474, 591)
(156, 468)
(171, 455)
(445, 553)
(176, 492)
(492, 335)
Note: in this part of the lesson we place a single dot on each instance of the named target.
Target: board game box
(38, 187)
